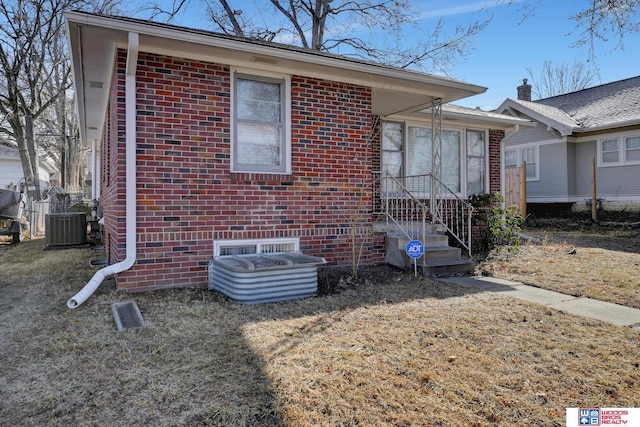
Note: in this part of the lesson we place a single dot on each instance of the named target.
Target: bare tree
(555, 79)
(605, 18)
(369, 29)
(35, 74)
(27, 28)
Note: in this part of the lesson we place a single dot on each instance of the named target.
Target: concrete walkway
(587, 307)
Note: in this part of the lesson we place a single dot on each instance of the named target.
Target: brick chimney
(524, 91)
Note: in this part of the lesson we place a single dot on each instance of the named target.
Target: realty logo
(589, 416)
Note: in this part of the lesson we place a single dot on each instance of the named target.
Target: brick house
(209, 143)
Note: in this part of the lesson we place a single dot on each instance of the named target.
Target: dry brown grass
(605, 265)
(389, 349)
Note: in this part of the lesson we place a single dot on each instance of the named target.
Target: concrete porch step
(392, 228)
(430, 240)
(439, 259)
(445, 268)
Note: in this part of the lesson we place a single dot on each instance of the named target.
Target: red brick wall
(495, 136)
(187, 196)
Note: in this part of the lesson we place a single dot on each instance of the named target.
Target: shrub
(496, 226)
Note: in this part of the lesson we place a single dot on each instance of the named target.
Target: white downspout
(95, 171)
(130, 181)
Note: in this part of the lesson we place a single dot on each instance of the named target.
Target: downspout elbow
(97, 279)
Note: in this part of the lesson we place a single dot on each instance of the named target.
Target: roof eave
(561, 128)
(457, 89)
(612, 127)
(94, 39)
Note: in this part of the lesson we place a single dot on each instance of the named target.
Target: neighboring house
(601, 123)
(211, 144)
(11, 173)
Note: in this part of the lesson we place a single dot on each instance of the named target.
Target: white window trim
(286, 120)
(622, 150)
(465, 170)
(406, 124)
(620, 161)
(260, 244)
(519, 149)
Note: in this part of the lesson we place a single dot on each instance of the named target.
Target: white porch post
(436, 158)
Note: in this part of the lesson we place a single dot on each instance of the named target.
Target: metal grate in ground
(127, 315)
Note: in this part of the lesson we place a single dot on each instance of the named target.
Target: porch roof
(94, 39)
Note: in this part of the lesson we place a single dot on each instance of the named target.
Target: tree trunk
(30, 145)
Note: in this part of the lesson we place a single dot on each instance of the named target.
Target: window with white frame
(260, 140)
(609, 152)
(632, 149)
(392, 148)
(619, 151)
(418, 157)
(514, 156)
(476, 162)
(407, 151)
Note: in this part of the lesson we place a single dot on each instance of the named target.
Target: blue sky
(509, 46)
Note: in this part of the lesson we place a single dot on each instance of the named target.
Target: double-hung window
(476, 162)
(261, 141)
(619, 151)
(632, 149)
(513, 157)
(610, 152)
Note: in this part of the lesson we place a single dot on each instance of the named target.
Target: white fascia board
(509, 105)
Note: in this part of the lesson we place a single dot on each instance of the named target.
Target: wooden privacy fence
(515, 187)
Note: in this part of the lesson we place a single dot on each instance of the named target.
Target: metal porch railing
(408, 213)
(406, 202)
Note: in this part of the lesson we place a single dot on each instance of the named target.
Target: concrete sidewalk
(587, 307)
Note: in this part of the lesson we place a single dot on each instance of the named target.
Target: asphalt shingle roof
(608, 105)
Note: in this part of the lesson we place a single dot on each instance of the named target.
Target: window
(407, 151)
(392, 147)
(419, 155)
(514, 156)
(632, 149)
(260, 140)
(619, 151)
(476, 162)
(511, 158)
(530, 155)
(609, 152)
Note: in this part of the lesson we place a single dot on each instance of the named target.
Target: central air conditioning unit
(65, 229)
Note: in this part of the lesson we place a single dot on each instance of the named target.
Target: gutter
(130, 181)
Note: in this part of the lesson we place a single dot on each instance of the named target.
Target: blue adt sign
(415, 249)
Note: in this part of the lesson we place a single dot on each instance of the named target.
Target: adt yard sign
(415, 249)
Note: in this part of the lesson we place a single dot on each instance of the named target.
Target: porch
(405, 211)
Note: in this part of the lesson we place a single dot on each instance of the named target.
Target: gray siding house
(601, 122)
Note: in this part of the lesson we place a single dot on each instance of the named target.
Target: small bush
(497, 226)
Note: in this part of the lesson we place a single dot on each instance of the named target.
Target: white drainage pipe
(130, 181)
